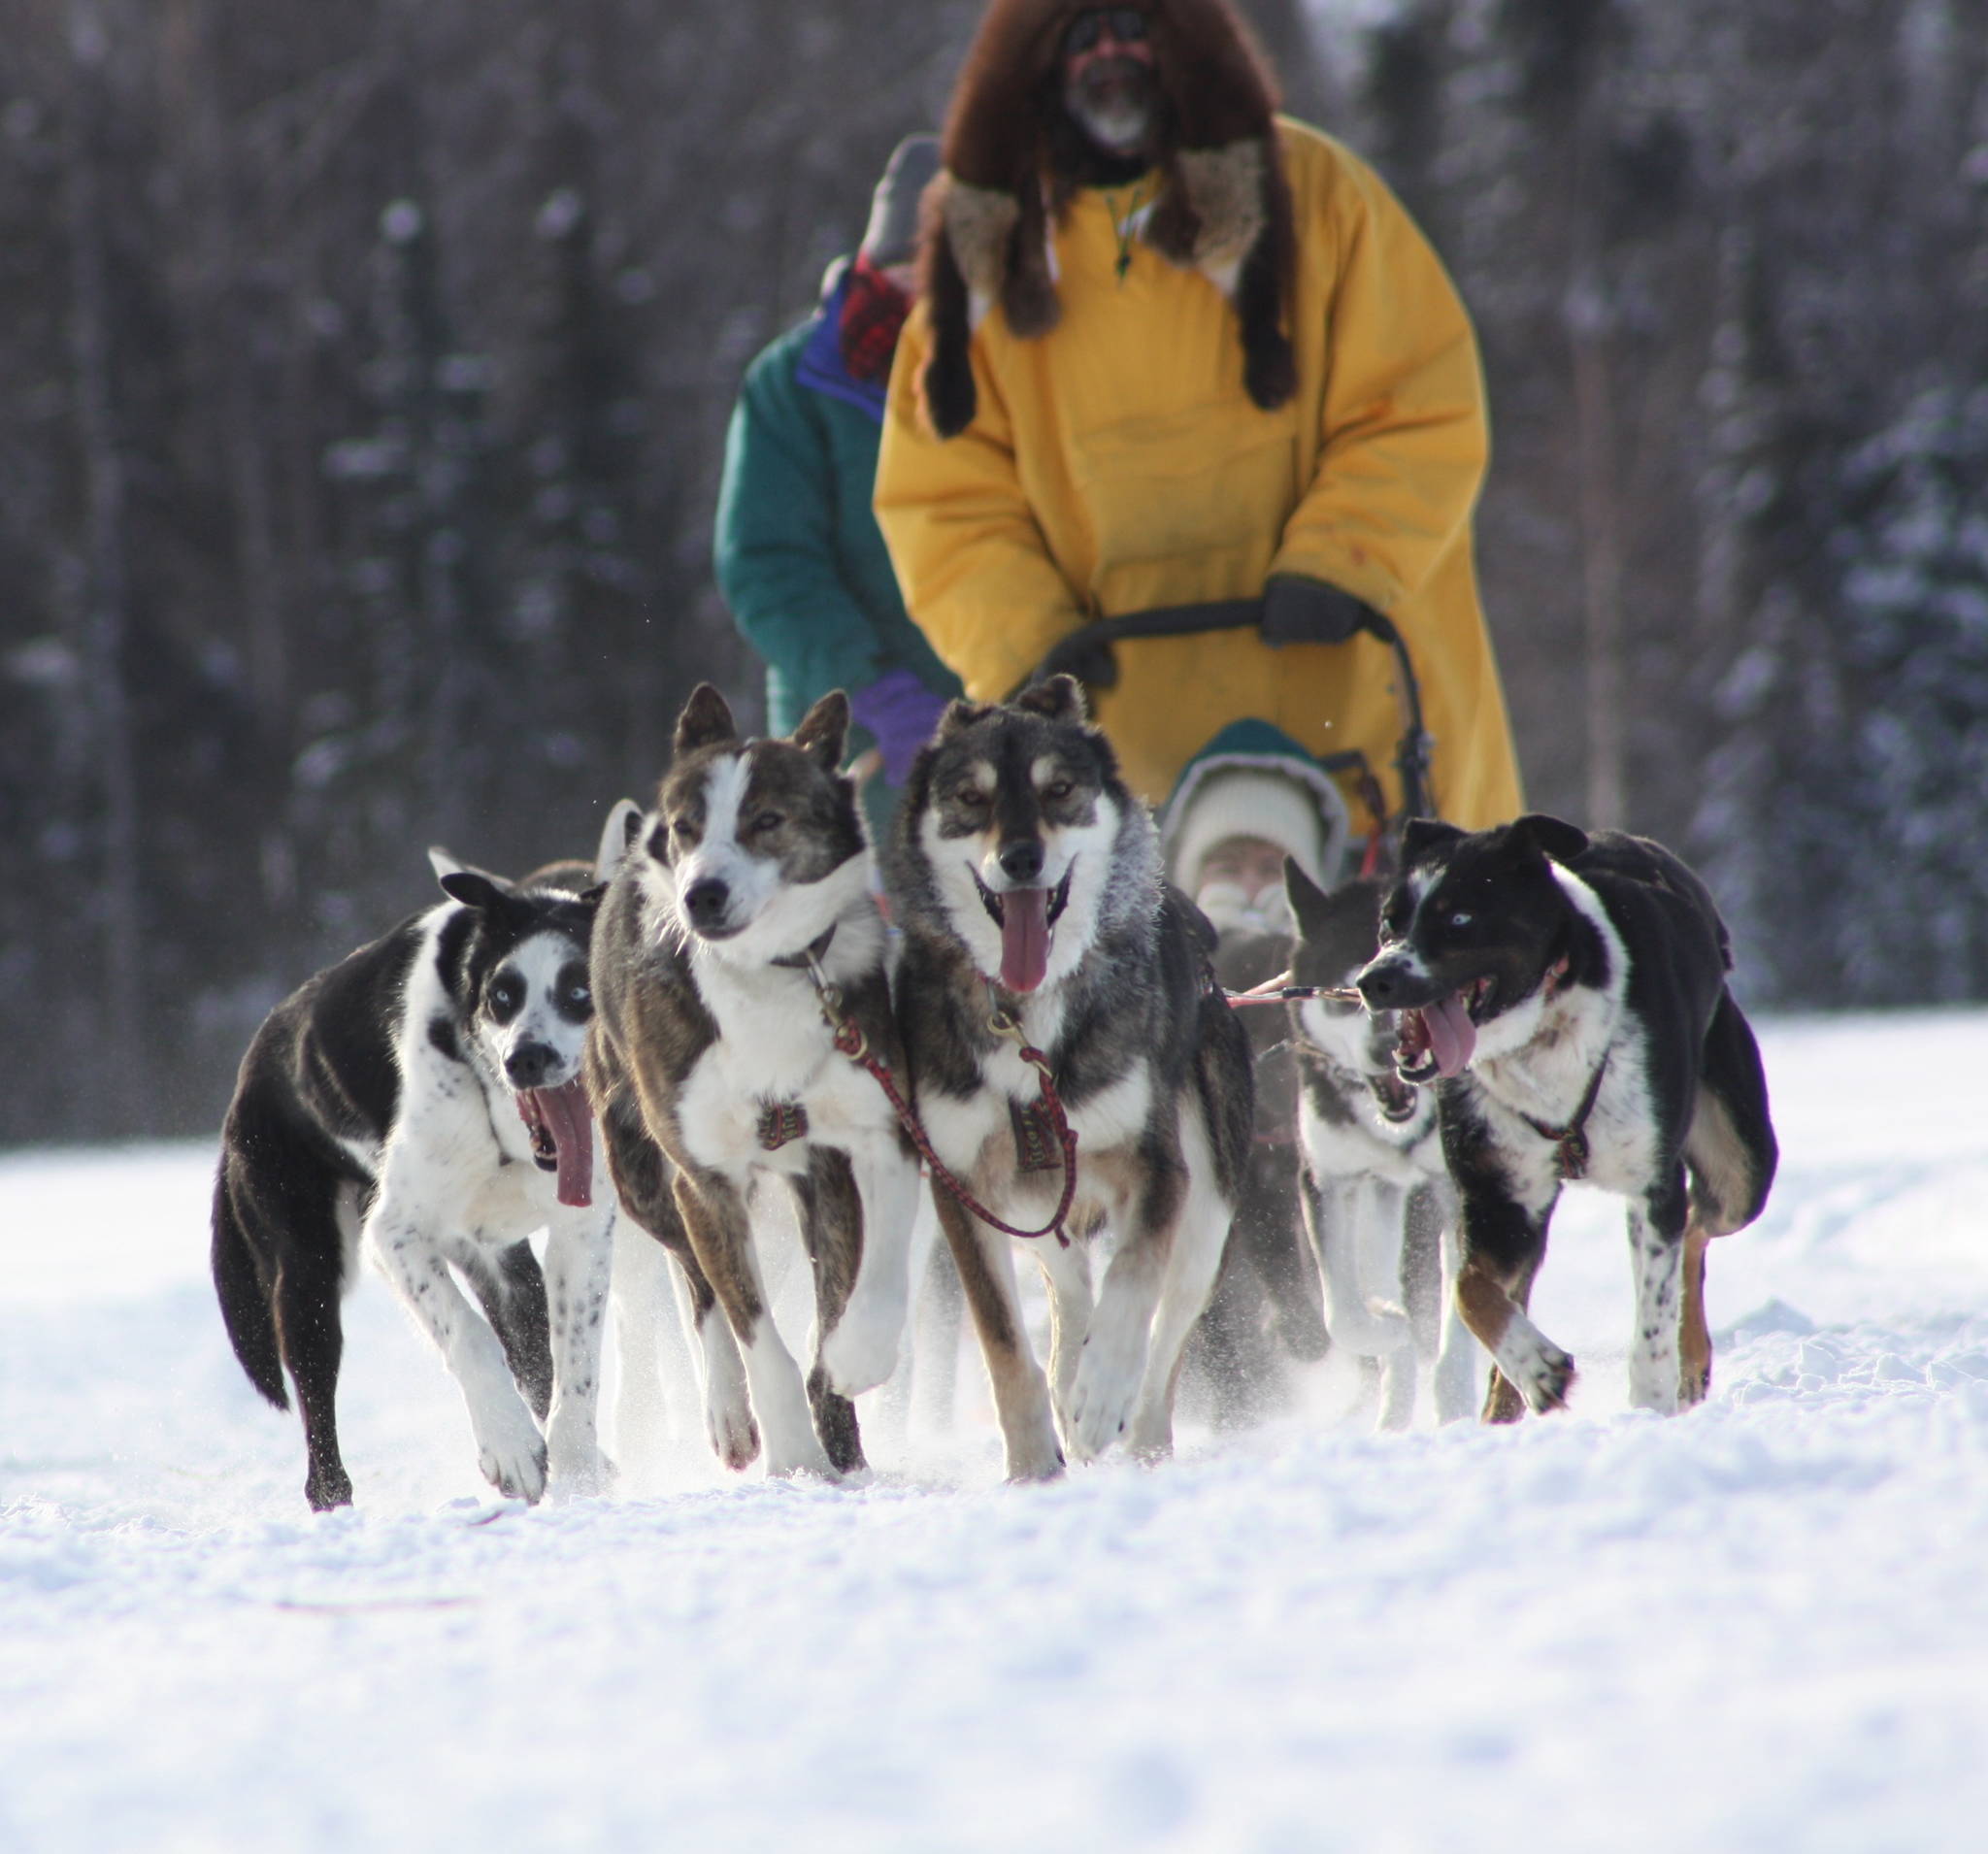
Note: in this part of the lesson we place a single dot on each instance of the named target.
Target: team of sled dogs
(1008, 1008)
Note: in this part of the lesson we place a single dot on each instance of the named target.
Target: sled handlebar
(1412, 757)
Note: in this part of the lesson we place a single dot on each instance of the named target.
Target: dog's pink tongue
(569, 1119)
(1024, 938)
(1453, 1036)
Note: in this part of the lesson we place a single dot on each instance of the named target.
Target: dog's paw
(575, 1464)
(1547, 1385)
(1037, 1460)
(581, 1476)
(799, 1456)
(1694, 1382)
(1371, 1329)
(1100, 1401)
(861, 1353)
(515, 1469)
(734, 1435)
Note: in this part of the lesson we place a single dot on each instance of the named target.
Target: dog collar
(811, 955)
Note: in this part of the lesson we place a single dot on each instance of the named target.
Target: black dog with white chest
(1567, 995)
(425, 1093)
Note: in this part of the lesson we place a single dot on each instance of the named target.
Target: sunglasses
(1127, 25)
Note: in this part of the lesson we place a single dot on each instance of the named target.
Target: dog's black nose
(706, 901)
(1022, 861)
(530, 1063)
(1380, 984)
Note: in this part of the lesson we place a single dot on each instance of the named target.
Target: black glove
(1089, 659)
(1301, 611)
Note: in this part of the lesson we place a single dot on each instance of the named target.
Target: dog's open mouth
(1439, 1039)
(1027, 918)
(1396, 1099)
(561, 1126)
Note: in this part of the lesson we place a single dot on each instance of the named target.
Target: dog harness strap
(1570, 1143)
(1036, 1146)
(782, 1121)
(850, 1039)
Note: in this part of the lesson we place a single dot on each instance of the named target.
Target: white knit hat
(892, 235)
(1268, 799)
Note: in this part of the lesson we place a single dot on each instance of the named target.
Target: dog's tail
(1731, 1149)
(246, 1308)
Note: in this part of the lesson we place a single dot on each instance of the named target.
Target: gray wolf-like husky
(1026, 880)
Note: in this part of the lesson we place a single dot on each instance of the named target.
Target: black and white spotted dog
(1027, 882)
(1567, 995)
(424, 1098)
(1376, 1195)
(745, 901)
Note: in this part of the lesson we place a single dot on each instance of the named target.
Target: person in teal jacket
(800, 560)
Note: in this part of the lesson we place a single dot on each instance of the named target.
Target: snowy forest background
(364, 372)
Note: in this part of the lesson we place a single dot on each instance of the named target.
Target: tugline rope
(1280, 991)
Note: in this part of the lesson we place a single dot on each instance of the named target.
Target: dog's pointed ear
(705, 721)
(1308, 901)
(1056, 698)
(1553, 837)
(959, 713)
(475, 889)
(625, 819)
(1424, 834)
(824, 730)
(441, 862)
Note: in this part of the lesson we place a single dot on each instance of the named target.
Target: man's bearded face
(1111, 90)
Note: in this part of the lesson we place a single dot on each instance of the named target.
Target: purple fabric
(901, 711)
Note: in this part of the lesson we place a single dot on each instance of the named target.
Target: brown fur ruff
(1224, 206)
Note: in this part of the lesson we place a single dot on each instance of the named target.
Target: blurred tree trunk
(103, 619)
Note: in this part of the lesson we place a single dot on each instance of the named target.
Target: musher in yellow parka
(1174, 348)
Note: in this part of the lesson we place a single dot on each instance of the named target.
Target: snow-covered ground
(1761, 1625)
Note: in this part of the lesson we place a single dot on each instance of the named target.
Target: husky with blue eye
(1026, 878)
(1564, 995)
(424, 1097)
(743, 919)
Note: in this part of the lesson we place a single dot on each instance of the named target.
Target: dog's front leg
(1694, 1335)
(830, 1213)
(1067, 1275)
(509, 1450)
(1382, 1242)
(645, 1182)
(1113, 1364)
(1338, 1211)
(1201, 1235)
(1503, 1247)
(1656, 1243)
(859, 1346)
(1021, 1393)
(1456, 1362)
(715, 1213)
(578, 1257)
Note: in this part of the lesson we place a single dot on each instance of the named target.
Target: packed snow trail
(1756, 1626)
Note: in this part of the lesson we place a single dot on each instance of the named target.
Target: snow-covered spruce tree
(1913, 553)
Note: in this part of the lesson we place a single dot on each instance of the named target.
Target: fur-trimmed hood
(1223, 206)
